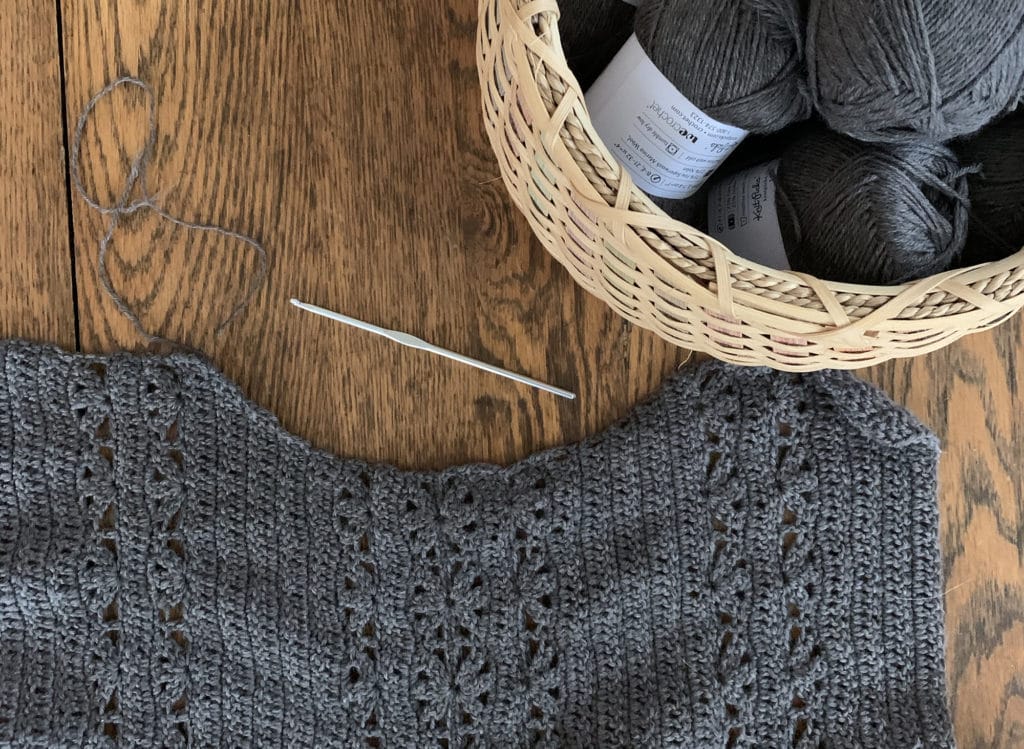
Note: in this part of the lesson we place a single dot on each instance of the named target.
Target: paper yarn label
(742, 215)
(668, 145)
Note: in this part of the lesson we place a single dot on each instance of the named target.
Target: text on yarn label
(668, 145)
(742, 215)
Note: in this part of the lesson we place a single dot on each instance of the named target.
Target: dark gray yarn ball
(897, 70)
(871, 214)
(592, 32)
(739, 61)
(997, 190)
(692, 210)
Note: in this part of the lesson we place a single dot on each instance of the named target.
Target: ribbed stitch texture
(749, 560)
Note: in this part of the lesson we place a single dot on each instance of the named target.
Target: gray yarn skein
(997, 190)
(739, 61)
(871, 214)
(592, 32)
(897, 70)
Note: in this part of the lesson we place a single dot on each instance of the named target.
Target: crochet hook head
(411, 341)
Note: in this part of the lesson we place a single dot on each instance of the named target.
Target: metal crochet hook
(418, 343)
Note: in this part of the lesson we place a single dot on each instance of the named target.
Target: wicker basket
(669, 277)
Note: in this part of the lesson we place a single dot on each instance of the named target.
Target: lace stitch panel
(727, 573)
(353, 526)
(805, 665)
(168, 549)
(535, 586)
(452, 679)
(98, 572)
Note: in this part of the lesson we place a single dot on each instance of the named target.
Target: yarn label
(668, 145)
(742, 215)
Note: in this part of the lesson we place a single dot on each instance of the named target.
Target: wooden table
(347, 137)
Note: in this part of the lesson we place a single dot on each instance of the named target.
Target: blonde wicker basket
(669, 277)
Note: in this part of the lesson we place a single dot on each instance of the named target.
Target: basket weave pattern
(669, 277)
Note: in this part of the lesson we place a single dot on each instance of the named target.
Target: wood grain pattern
(347, 137)
(35, 282)
(972, 395)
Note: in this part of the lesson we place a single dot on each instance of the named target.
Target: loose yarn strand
(869, 213)
(146, 201)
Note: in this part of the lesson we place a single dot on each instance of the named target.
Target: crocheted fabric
(749, 560)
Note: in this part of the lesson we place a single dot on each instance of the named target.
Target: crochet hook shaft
(412, 341)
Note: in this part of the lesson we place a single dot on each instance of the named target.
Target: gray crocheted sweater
(749, 560)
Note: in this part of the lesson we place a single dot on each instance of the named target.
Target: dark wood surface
(972, 395)
(347, 138)
(35, 262)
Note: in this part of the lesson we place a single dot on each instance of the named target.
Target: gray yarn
(125, 207)
(739, 61)
(897, 70)
(592, 32)
(873, 214)
(749, 560)
(997, 191)
(692, 210)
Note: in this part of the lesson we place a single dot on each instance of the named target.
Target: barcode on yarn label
(668, 145)
(742, 215)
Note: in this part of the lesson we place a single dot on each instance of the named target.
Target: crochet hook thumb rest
(411, 341)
